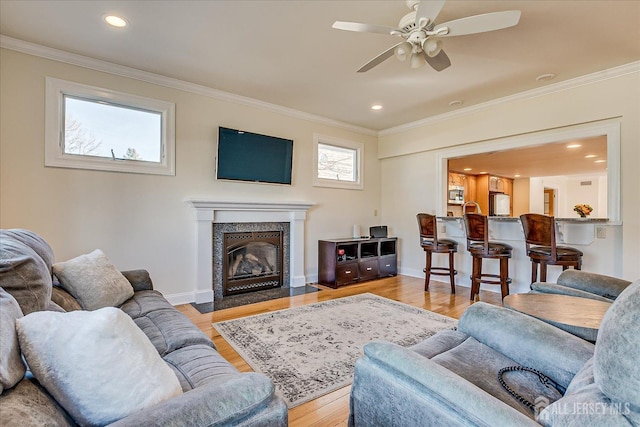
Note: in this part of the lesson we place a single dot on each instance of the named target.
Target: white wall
(408, 156)
(142, 221)
(570, 192)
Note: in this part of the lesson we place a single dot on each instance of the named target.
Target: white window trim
(329, 140)
(54, 130)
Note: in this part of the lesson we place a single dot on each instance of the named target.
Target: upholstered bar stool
(480, 248)
(540, 238)
(431, 244)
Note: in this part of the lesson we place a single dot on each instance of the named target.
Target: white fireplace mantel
(215, 211)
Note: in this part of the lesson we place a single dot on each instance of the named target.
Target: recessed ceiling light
(482, 173)
(376, 107)
(545, 77)
(467, 169)
(516, 176)
(115, 21)
(599, 161)
(574, 145)
(590, 156)
(456, 103)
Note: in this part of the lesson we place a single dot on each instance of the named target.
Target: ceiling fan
(421, 35)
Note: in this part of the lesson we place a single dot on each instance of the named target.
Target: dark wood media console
(346, 261)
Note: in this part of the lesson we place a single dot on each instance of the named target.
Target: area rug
(311, 350)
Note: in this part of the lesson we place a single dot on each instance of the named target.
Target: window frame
(56, 89)
(358, 147)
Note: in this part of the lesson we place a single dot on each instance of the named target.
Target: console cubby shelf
(345, 261)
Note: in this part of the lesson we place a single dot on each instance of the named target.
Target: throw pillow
(97, 364)
(11, 366)
(94, 281)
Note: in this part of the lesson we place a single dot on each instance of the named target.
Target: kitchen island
(595, 237)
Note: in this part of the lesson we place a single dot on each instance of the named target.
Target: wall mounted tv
(246, 156)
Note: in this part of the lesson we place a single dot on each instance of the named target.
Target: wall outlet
(601, 233)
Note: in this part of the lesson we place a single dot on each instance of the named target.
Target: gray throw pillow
(98, 365)
(94, 281)
(11, 366)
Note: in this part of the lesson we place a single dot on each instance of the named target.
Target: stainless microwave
(456, 195)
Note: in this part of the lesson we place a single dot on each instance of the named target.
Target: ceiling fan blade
(364, 28)
(480, 23)
(429, 9)
(379, 59)
(438, 62)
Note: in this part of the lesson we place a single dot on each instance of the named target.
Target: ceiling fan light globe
(417, 60)
(403, 51)
(432, 47)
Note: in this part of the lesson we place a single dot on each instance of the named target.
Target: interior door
(549, 199)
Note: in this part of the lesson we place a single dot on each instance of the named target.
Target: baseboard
(189, 297)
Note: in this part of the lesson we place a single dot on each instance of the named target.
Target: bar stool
(431, 244)
(540, 238)
(479, 246)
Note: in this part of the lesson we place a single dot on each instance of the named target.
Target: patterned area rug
(311, 350)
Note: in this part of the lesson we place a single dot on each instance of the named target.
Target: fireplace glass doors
(252, 261)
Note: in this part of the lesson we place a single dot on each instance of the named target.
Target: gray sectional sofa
(213, 392)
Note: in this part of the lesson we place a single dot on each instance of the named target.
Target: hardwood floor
(333, 409)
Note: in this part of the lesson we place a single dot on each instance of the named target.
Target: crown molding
(611, 73)
(170, 82)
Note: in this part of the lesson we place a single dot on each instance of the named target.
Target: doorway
(549, 201)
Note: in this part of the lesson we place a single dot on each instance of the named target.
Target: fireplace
(252, 261)
(214, 216)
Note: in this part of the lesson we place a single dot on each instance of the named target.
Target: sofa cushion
(94, 281)
(439, 343)
(28, 404)
(24, 275)
(615, 359)
(64, 299)
(34, 241)
(11, 366)
(144, 302)
(197, 365)
(585, 405)
(85, 359)
(479, 364)
(169, 330)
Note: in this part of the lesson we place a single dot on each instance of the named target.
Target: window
(93, 128)
(337, 163)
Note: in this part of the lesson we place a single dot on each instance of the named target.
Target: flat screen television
(246, 156)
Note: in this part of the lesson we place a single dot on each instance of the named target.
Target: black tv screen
(246, 156)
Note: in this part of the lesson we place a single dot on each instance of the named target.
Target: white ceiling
(562, 158)
(286, 53)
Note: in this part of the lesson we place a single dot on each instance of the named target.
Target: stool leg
(543, 271)
(579, 266)
(534, 271)
(476, 273)
(452, 280)
(427, 271)
(504, 276)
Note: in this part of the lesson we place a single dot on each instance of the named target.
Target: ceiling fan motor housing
(408, 22)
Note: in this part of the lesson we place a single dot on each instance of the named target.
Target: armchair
(451, 378)
(579, 283)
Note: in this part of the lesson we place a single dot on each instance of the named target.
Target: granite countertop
(516, 219)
